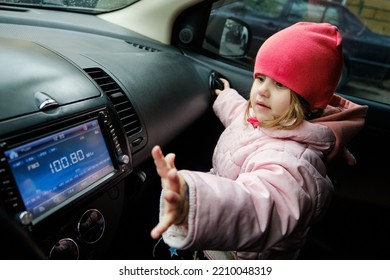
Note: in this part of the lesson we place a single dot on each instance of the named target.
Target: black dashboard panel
(62, 84)
(30, 72)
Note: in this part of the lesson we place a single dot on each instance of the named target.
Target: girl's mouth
(262, 105)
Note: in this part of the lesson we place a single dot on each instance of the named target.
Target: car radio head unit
(50, 171)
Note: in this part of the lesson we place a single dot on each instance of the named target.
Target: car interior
(85, 96)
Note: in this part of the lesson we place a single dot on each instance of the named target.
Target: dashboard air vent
(142, 47)
(122, 104)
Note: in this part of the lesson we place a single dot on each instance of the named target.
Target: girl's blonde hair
(298, 112)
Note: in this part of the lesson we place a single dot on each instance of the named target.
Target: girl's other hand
(174, 192)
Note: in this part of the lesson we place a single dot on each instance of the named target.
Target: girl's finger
(162, 226)
(170, 160)
(160, 162)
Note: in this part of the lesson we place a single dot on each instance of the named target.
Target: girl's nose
(264, 88)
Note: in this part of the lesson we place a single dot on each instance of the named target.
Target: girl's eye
(279, 85)
(261, 78)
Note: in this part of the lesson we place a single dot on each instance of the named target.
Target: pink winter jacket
(266, 186)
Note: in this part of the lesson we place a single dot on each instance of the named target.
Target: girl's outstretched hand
(226, 85)
(173, 195)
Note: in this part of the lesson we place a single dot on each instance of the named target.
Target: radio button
(12, 203)
(3, 159)
(118, 149)
(8, 192)
(5, 182)
(3, 170)
(105, 116)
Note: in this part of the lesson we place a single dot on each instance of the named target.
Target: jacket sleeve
(266, 203)
(228, 105)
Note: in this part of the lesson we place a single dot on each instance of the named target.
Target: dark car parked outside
(367, 54)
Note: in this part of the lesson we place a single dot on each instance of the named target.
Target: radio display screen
(56, 169)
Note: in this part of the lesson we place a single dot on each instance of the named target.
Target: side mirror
(234, 39)
(227, 37)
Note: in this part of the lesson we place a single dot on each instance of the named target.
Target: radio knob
(124, 159)
(25, 218)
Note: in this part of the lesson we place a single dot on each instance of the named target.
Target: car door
(356, 224)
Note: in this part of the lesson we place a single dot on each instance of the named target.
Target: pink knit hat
(305, 57)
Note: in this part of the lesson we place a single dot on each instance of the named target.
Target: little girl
(268, 183)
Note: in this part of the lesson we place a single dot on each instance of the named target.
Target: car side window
(267, 8)
(366, 36)
(332, 16)
(304, 11)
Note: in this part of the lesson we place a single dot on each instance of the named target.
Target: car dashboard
(81, 106)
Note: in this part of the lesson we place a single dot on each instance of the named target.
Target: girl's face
(269, 99)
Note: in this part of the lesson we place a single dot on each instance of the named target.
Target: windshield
(87, 6)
